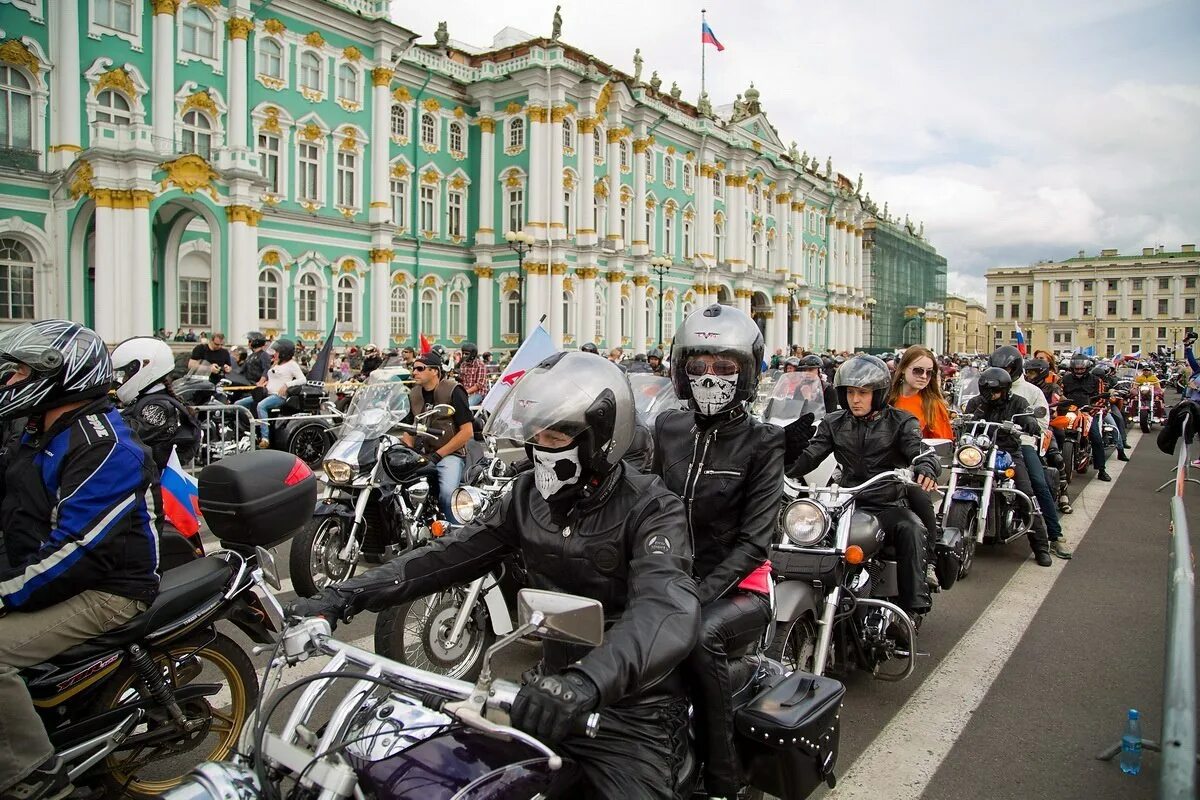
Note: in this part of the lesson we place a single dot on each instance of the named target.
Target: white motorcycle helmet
(140, 363)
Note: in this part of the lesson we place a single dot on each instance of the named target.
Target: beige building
(1120, 303)
(966, 325)
(978, 339)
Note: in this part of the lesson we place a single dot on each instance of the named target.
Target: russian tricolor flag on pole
(1020, 334)
(181, 497)
(708, 37)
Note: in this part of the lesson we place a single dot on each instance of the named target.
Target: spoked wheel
(795, 645)
(157, 756)
(416, 634)
(315, 560)
(310, 444)
(962, 516)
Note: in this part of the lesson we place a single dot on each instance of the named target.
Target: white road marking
(906, 754)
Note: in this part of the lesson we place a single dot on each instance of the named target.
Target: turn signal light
(439, 528)
(854, 554)
(1010, 472)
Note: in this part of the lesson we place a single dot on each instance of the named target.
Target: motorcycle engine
(391, 726)
(419, 491)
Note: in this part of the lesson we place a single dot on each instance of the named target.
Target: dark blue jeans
(1041, 490)
(1096, 435)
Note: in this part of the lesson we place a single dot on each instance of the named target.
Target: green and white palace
(299, 164)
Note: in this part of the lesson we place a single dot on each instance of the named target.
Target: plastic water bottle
(1131, 745)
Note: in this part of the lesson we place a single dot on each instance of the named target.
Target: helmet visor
(26, 344)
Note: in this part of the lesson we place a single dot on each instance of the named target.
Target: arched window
(687, 177)
(16, 281)
(668, 170)
(197, 34)
(719, 243)
(598, 144)
(16, 104)
(568, 134)
(756, 250)
(268, 296)
(649, 165)
(568, 211)
(347, 83)
(399, 309)
(347, 290)
(270, 58)
(457, 306)
(770, 253)
(625, 322)
(456, 137)
(568, 313)
(512, 314)
(399, 121)
(310, 71)
(516, 208)
(648, 310)
(623, 147)
(428, 130)
(307, 300)
(668, 322)
(429, 319)
(668, 247)
(599, 332)
(717, 185)
(688, 308)
(516, 133)
(113, 108)
(687, 239)
(196, 134)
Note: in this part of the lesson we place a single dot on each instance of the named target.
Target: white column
(138, 304)
(641, 235)
(736, 222)
(804, 337)
(781, 323)
(536, 287)
(381, 296)
(614, 308)
(64, 90)
(554, 147)
(555, 321)
(108, 318)
(614, 188)
(586, 300)
(162, 82)
(743, 295)
(380, 149)
(239, 31)
(538, 186)
(485, 233)
(784, 263)
(704, 210)
(586, 234)
(243, 265)
(638, 309)
(484, 294)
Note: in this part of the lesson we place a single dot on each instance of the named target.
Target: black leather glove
(796, 437)
(1054, 458)
(329, 603)
(550, 708)
(1171, 432)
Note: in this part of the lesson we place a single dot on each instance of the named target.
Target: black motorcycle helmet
(1009, 359)
(865, 372)
(993, 380)
(791, 364)
(67, 362)
(1102, 371)
(1037, 370)
(809, 361)
(469, 351)
(1079, 365)
(256, 339)
(589, 347)
(400, 462)
(655, 353)
(285, 349)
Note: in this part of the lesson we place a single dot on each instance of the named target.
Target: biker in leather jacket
(868, 437)
(584, 524)
(1081, 387)
(728, 468)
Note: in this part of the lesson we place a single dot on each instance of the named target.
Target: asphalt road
(1029, 670)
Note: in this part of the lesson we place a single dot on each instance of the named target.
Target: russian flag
(181, 497)
(1020, 334)
(708, 37)
(426, 346)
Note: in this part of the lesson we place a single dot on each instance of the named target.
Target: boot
(1043, 558)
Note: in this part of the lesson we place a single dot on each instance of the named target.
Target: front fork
(349, 552)
(825, 637)
(464, 611)
(984, 500)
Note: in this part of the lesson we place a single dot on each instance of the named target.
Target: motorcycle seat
(180, 592)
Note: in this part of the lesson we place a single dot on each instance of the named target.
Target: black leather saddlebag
(788, 734)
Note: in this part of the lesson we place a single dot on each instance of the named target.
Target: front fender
(339, 507)
(498, 611)
(793, 599)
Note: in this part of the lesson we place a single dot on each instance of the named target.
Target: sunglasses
(722, 367)
(921, 372)
(419, 368)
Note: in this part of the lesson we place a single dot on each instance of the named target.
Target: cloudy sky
(1017, 131)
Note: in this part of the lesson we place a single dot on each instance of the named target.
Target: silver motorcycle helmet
(731, 336)
(574, 415)
(864, 372)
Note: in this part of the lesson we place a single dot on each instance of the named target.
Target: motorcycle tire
(309, 563)
(434, 614)
(795, 644)
(962, 516)
(1144, 421)
(1068, 455)
(221, 661)
(309, 443)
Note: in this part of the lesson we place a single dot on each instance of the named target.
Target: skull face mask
(713, 393)
(554, 469)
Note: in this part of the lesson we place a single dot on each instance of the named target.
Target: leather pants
(728, 625)
(906, 535)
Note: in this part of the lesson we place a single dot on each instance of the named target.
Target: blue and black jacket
(80, 510)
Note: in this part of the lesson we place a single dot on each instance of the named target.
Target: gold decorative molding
(587, 273)
(537, 268)
(568, 179)
(399, 170)
(558, 269)
(797, 206)
(587, 125)
(270, 258)
(742, 293)
(274, 26)
(431, 104)
(164, 6)
(537, 114)
(314, 39)
(310, 132)
(642, 145)
(382, 76)
(601, 188)
(203, 101)
(459, 112)
(783, 197)
(484, 272)
(487, 125)
(352, 53)
(189, 173)
(605, 96)
(650, 203)
(122, 199)
(670, 149)
(14, 51)
(65, 148)
(641, 280)
(206, 3)
(349, 140)
(430, 177)
(246, 214)
(559, 113)
(458, 182)
(271, 123)
(513, 108)
(381, 255)
(614, 277)
(400, 279)
(614, 135)
(116, 78)
(780, 298)
(401, 94)
(239, 27)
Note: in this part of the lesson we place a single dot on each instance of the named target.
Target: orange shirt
(938, 428)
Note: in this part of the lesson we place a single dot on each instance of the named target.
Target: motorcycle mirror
(561, 617)
(443, 411)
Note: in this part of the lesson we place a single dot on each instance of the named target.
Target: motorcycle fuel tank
(865, 532)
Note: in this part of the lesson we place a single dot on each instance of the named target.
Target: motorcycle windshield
(793, 395)
(374, 409)
(1125, 374)
(968, 386)
(653, 394)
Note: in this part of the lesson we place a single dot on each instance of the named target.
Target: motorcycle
(1147, 405)
(982, 503)
(124, 709)
(836, 596)
(398, 732)
(652, 395)
(1076, 425)
(793, 395)
(380, 501)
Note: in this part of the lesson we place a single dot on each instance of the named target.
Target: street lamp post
(660, 266)
(520, 243)
(791, 333)
(871, 302)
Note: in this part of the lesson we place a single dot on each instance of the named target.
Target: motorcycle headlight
(804, 522)
(338, 471)
(969, 456)
(466, 502)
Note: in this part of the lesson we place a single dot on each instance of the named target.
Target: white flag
(533, 351)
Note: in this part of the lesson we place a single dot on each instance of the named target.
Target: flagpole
(703, 22)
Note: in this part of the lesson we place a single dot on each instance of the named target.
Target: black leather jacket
(626, 546)
(867, 446)
(1080, 391)
(729, 473)
(1008, 442)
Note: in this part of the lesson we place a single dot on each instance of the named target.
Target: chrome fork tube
(464, 612)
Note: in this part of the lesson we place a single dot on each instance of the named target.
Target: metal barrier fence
(1177, 778)
(224, 431)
